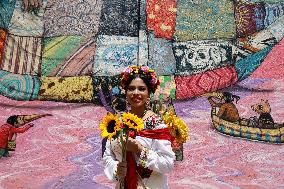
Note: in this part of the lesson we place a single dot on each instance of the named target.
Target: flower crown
(142, 70)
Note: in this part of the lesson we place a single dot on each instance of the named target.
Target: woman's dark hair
(146, 80)
(12, 120)
(229, 97)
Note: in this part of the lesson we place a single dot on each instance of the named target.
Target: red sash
(131, 180)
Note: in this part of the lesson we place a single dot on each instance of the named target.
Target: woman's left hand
(134, 146)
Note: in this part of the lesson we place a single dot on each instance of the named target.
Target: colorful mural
(63, 59)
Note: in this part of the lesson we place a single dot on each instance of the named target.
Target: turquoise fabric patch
(161, 56)
(205, 20)
(246, 66)
(19, 87)
(6, 11)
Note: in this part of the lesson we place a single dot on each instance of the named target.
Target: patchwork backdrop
(64, 59)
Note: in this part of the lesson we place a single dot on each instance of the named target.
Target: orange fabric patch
(3, 35)
(161, 17)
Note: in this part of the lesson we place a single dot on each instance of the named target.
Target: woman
(228, 111)
(149, 155)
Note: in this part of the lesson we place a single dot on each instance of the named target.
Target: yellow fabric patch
(77, 89)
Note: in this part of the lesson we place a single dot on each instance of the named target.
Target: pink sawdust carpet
(64, 150)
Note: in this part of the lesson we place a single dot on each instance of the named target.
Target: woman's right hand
(121, 169)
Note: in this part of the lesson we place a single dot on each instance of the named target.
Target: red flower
(131, 134)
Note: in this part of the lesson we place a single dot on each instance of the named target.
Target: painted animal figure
(265, 119)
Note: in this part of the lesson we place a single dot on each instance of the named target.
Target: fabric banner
(245, 67)
(194, 57)
(196, 85)
(249, 18)
(114, 53)
(19, 87)
(81, 18)
(201, 19)
(68, 56)
(120, 18)
(6, 12)
(66, 89)
(28, 23)
(161, 56)
(22, 55)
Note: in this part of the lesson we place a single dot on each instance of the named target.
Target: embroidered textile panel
(161, 56)
(249, 18)
(6, 12)
(245, 67)
(68, 56)
(114, 53)
(194, 57)
(27, 23)
(195, 85)
(19, 87)
(22, 55)
(119, 17)
(67, 89)
(81, 18)
(193, 23)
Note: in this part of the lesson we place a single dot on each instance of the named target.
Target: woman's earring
(128, 106)
(147, 104)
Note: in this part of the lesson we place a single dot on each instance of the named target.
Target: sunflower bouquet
(176, 125)
(121, 126)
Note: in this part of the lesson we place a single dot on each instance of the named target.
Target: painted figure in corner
(8, 131)
(227, 109)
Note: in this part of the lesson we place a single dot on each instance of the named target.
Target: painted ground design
(64, 151)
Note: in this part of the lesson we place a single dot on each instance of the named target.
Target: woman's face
(137, 93)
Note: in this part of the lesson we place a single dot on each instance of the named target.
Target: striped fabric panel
(22, 55)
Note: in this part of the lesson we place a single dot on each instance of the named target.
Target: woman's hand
(134, 146)
(121, 169)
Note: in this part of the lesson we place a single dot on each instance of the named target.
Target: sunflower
(132, 122)
(110, 125)
(177, 126)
